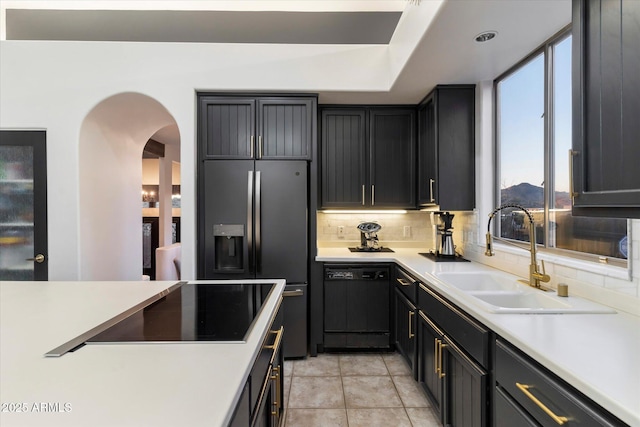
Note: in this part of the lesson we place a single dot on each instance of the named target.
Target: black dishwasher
(356, 307)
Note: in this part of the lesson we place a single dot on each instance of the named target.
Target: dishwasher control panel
(356, 273)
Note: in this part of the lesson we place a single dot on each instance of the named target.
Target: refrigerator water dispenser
(229, 244)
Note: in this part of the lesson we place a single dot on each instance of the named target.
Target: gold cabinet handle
(436, 367)
(276, 401)
(572, 192)
(362, 194)
(442, 345)
(411, 334)
(251, 147)
(38, 258)
(431, 182)
(260, 146)
(403, 282)
(276, 342)
(373, 195)
(525, 389)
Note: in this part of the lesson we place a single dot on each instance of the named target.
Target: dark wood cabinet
(256, 127)
(343, 154)
(606, 108)
(446, 148)
(405, 328)
(527, 391)
(368, 157)
(356, 307)
(405, 312)
(453, 361)
(261, 403)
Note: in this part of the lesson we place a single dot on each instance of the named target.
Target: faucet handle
(544, 270)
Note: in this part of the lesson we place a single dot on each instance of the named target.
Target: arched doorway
(112, 139)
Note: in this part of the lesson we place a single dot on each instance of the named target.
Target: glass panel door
(23, 204)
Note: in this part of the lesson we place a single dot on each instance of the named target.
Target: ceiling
(445, 52)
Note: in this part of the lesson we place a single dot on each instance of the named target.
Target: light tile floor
(353, 390)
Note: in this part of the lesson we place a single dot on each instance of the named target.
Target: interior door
(23, 205)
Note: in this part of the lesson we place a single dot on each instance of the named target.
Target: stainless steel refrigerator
(253, 224)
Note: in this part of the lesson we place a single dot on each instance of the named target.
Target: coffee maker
(369, 236)
(444, 235)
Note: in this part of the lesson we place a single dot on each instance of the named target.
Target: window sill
(606, 270)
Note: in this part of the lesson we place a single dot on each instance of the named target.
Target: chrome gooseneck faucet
(535, 275)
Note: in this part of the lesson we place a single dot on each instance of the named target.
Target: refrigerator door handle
(257, 224)
(250, 219)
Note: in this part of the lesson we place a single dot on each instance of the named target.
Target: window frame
(547, 49)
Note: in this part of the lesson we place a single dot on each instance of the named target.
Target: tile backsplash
(616, 287)
(394, 231)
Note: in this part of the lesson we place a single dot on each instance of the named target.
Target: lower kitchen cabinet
(456, 385)
(527, 394)
(356, 307)
(405, 328)
(453, 361)
(262, 401)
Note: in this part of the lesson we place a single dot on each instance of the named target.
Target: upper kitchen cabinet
(368, 157)
(256, 128)
(606, 108)
(446, 148)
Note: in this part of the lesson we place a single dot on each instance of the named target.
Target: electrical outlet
(341, 231)
(406, 231)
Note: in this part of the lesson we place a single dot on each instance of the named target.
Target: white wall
(55, 85)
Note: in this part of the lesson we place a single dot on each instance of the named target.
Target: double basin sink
(502, 293)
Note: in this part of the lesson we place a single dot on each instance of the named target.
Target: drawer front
(468, 334)
(407, 285)
(545, 397)
(508, 413)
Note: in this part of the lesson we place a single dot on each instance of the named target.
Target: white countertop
(189, 384)
(596, 353)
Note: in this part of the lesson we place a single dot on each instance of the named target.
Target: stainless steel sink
(501, 293)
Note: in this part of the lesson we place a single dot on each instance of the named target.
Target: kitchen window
(533, 138)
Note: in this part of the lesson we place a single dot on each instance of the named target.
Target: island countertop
(595, 353)
(170, 384)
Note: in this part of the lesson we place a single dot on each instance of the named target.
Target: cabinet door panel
(405, 329)
(465, 389)
(285, 128)
(427, 166)
(606, 99)
(343, 160)
(226, 127)
(427, 375)
(392, 142)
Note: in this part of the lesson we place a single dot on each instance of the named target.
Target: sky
(521, 109)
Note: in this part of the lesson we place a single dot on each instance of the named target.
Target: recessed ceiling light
(485, 36)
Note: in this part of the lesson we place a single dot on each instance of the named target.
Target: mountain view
(531, 196)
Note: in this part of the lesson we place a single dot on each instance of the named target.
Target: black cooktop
(193, 312)
(378, 249)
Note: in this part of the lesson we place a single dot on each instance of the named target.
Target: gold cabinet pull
(251, 148)
(276, 401)
(436, 367)
(373, 195)
(403, 282)
(431, 182)
(276, 342)
(260, 147)
(362, 194)
(442, 345)
(572, 192)
(411, 334)
(525, 389)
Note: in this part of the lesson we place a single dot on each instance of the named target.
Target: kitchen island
(155, 384)
(595, 353)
